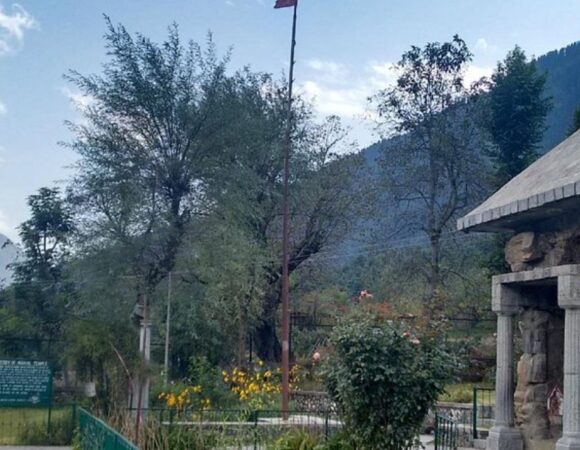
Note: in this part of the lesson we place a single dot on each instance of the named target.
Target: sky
(345, 53)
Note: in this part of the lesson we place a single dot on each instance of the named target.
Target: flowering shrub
(256, 389)
(384, 376)
(259, 388)
(186, 397)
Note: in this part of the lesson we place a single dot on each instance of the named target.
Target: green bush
(384, 377)
(338, 441)
(61, 432)
(302, 440)
(296, 440)
(457, 393)
(209, 376)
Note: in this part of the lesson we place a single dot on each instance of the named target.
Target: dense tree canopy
(518, 112)
(145, 146)
(431, 171)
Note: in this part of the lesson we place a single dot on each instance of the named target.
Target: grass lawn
(14, 421)
(463, 393)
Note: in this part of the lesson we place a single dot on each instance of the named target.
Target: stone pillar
(569, 299)
(503, 435)
(532, 376)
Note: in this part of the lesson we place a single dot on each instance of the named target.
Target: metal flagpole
(285, 234)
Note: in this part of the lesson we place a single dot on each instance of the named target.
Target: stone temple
(538, 301)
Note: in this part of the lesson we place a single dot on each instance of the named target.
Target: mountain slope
(563, 84)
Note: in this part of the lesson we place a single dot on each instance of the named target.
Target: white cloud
(383, 74)
(481, 44)
(5, 227)
(12, 27)
(475, 73)
(229, 3)
(327, 67)
(334, 89)
(345, 102)
(486, 48)
(79, 101)
(385, 69)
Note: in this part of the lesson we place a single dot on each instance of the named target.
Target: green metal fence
(37, 425)
(483, 409)
(446, 433)
(97, 435)
(253, 430)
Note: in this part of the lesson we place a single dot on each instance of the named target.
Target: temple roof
(548, 187)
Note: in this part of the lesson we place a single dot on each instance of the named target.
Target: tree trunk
(268, 345)
(434, 298)
(242, 336)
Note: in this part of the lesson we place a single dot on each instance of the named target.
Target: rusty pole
(286, 234)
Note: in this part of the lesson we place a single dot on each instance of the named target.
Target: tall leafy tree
(323, 193)
(518, 112)
(433, 170)
(145, 146)
(575, 122)
(42, 294)
(518, 107)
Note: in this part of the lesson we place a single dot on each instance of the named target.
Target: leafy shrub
(338, 441)
(36, 433)
(209, 376)
(458, 393)
(384, 376)
(302, 440)
(296, 440)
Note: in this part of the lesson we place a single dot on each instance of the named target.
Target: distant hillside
(8, 255)
(563, 84)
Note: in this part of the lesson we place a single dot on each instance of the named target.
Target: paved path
(20, 447)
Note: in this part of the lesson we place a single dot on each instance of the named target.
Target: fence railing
(446, 433)
(97, 435)
(483, 409)
(38, 425)
(236, 428)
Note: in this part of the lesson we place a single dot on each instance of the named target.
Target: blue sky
(345, 50)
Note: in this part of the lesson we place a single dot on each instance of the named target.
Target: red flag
(285, 3)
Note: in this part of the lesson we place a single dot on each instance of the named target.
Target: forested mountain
(563, 84)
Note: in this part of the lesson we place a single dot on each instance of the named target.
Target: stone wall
(539, 370)
(529, 250)
(541, 366)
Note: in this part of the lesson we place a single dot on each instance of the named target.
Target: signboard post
(25, 383)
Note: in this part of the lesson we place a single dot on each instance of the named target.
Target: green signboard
(24, 383)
